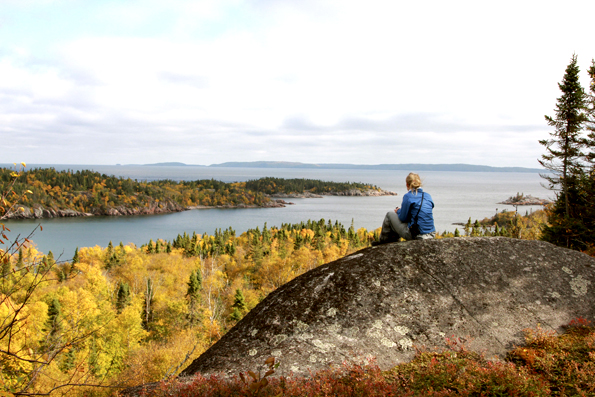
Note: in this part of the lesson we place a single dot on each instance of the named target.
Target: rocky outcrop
(295, 195)
(381, 302)
(525, 200)
(38, 212)
(273, 203)
(352, 192)
(371, 192)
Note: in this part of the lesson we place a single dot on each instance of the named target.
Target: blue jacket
(409, 209)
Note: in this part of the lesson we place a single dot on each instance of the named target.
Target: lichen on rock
(383, 301)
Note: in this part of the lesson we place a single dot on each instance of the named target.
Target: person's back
(410, 208)
(397, 224)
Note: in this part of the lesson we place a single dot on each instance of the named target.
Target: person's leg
(393, 228)
(402, 229)
(387, 234)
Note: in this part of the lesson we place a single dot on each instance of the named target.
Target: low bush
(546, 365)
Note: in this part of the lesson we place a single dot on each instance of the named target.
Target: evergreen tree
(193, 295)
(108, 253)
(112, 261)
(50, 258)
(148, 304)
(123, 296)
(564, 152)
(467, 228)
(239, 306)
(52, 324)
(20, 260)
(150, 248)
(564, 148)
(68, 360)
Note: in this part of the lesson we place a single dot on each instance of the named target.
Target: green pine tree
(20, 259)
(239, 306)
(52, 325)
(150, 248)
(564, 151)
(193, 295)
(123, 296)
(147, 318)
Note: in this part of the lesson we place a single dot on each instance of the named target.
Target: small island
(52, 193)
(521, 199)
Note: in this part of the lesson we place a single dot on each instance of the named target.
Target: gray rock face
(38, 212)
(381, 301)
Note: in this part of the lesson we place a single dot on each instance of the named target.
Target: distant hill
(170, 164)
(402, 167)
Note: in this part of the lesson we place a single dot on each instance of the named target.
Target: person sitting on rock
(400, 222)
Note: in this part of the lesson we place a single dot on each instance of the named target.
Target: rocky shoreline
(274, 203)
(352, 192)
(40, 212)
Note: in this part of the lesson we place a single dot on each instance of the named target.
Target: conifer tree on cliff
(563, 157)
(588, 177)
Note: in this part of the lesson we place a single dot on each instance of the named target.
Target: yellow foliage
(118, 347)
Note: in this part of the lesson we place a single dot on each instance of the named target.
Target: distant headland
(399, 167)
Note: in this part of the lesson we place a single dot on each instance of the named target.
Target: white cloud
(311, 81)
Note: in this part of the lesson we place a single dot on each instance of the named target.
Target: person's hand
(396, 209)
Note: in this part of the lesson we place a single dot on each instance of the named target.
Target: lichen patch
(406, 343)
(579, 285)
(401, 329)
(304, 336)
(301, 326)
(278, 339)
(322, 345)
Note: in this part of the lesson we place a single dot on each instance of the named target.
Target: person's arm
(403, 212)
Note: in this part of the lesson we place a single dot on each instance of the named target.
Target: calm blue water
(457, 195)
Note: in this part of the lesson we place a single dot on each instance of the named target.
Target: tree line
(91, 192)
(270, 185)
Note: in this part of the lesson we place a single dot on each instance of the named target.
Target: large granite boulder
(380, 302)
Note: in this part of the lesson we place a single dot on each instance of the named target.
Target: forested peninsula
(47, 193)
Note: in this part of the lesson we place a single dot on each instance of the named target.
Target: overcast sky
(316, 81)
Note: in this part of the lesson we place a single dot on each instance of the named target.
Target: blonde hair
(413, 181)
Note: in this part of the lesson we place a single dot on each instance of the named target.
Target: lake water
(457, 196)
